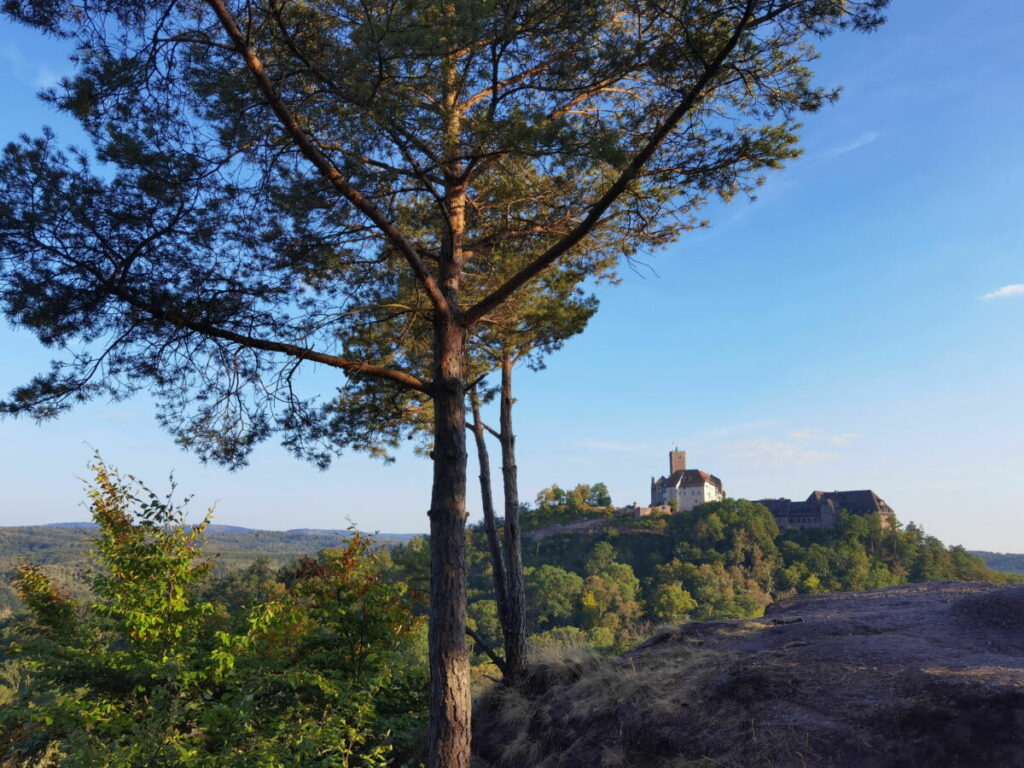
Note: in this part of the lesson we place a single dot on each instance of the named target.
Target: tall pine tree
(282, 180)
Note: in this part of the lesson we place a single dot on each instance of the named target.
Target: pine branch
(498, 661)
(598, 209)
(323, 165)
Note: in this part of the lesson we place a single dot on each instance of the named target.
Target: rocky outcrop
(922, 675)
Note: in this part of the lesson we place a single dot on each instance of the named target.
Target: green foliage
(412, 561)
(607, 586)
(560, 639)
(735, 532)
(610, 597)
(555, 506)
(670, 602)
(553, 595)
(297, 668)
(62, 553)
(861, 553)
(482, 616)
(720, 591)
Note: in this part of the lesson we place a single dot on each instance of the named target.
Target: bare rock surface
(921, 675)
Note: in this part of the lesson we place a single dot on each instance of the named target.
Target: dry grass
(522, 751)
(570, 694)
(514, 709)
(655, 709)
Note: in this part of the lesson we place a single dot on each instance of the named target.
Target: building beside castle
(684, 489)
(821, 509)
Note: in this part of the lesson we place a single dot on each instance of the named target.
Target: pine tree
(287, 184)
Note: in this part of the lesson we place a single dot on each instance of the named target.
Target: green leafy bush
(151, 673)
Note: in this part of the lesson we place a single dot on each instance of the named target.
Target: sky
(859, 325)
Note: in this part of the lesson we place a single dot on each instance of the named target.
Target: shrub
(152, 674)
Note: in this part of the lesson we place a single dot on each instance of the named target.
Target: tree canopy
(280, 182)
(289, 183)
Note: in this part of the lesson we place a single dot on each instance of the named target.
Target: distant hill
(217, 528)
(390, 537)
(63, 549)
(1000, 561)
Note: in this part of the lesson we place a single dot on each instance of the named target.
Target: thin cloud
(806, 434)
(820, 435)
(46, 78)
(765, 452)
(1017, 289)
(25, 71)
(862, 141)
(734, 430)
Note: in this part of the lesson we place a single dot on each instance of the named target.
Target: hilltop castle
(684, 488)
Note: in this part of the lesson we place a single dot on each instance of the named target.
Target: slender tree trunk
(487, 500)
(449, 660)
(515, 628)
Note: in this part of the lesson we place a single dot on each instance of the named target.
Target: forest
(151, 646)
(63, 551)
(607, 588)
(1002, 561)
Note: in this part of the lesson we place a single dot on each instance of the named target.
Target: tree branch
(498, 661)
(597, 210)
(498, 85)
(471, 426)
(325, 167)
(351, 367)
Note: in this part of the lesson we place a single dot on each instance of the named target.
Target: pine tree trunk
(515, 628)
(449, 661)
(487, 501)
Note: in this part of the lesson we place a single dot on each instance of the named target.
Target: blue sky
(834, 334)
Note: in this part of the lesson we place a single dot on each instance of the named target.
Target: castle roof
(855, 502)
(686, 478)
(858, 502)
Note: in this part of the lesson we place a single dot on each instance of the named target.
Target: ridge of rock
(925, 674)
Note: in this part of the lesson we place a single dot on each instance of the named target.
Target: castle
(684, 489)
(821, 509)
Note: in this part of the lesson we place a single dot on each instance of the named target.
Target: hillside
(605, 580)
(930, 674)
(64, 548)
(1002, 561)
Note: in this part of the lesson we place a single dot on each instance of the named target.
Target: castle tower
(676, 461)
